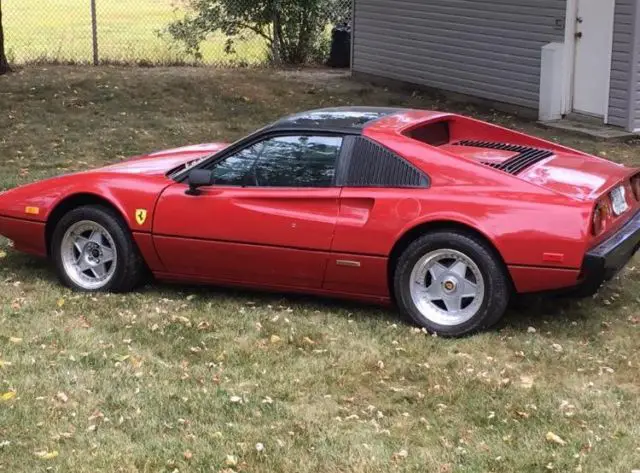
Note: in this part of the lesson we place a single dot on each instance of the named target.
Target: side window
(298, 161)
(236, 170)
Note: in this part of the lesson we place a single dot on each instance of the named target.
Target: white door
(594, 41)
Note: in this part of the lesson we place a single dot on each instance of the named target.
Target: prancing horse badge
(141, 216)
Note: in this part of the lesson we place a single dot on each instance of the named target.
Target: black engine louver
(527, 156)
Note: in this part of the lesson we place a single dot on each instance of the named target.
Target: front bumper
(604, 261)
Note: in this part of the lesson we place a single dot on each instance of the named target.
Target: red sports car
(445, 216)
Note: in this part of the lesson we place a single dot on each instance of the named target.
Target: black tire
(497, 287)
(129, 263)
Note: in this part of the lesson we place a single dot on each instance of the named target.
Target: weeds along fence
(128, 32)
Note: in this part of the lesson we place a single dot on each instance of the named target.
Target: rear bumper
(604, 261)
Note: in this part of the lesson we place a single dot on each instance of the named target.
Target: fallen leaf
(235, 399)
(62, 397)
(4, 363)
(188, 455)
(531, 330)
(181, 319)
(551, 437)
(45, 455)
(402, 454)
(308, 341)
(3, 254)
(15, 340)
(231, 460)
(8, 396)
(275, 339)
(259, 447)
(60, 302)
(526, 382)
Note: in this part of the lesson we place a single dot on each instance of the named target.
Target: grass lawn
(41, 31)
(184, 379)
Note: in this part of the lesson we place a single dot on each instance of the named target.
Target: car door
(268, 219)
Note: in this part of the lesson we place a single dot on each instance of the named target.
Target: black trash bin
(340, 55)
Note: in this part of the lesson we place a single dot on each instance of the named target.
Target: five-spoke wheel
(94, 250)
(89, 254)
(451, 283)
(447, 286)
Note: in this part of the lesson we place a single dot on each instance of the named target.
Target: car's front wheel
(93, 251)
(451, 283)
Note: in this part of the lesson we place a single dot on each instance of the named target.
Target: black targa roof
(347, 119)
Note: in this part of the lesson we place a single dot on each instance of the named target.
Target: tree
(292, 29)
(4, 64)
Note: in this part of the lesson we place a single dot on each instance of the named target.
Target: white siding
(486, 48)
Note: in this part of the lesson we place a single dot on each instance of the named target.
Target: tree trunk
(4, 64)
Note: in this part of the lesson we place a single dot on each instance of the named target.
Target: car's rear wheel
(451, 283)
(93, 250)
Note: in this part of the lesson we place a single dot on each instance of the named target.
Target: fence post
(94, 32)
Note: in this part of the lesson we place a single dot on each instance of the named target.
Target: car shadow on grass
(563, 316)
(244, 296)
(578, 318)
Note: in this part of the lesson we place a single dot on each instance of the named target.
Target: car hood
(161, 162)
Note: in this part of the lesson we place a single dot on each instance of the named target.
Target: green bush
(294, 30)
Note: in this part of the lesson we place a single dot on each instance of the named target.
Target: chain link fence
(129, 32)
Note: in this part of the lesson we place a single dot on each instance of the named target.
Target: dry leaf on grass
(275, 339)
(526, 382)
(62, 397)
(46, 455)
(553, 438)
(8, 396)
(231, 460)
(401, 455)
(15, 340)
(182, 320)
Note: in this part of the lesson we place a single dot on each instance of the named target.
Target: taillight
(599, 217)
(635, 186)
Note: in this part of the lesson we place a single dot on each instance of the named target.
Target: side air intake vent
(372, 165)
(527, 156)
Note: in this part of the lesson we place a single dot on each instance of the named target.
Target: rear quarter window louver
(372, 165)
(527, 156)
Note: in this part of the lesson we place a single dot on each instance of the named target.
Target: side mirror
(198, 178)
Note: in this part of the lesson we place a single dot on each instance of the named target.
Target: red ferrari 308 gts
(444, 215)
